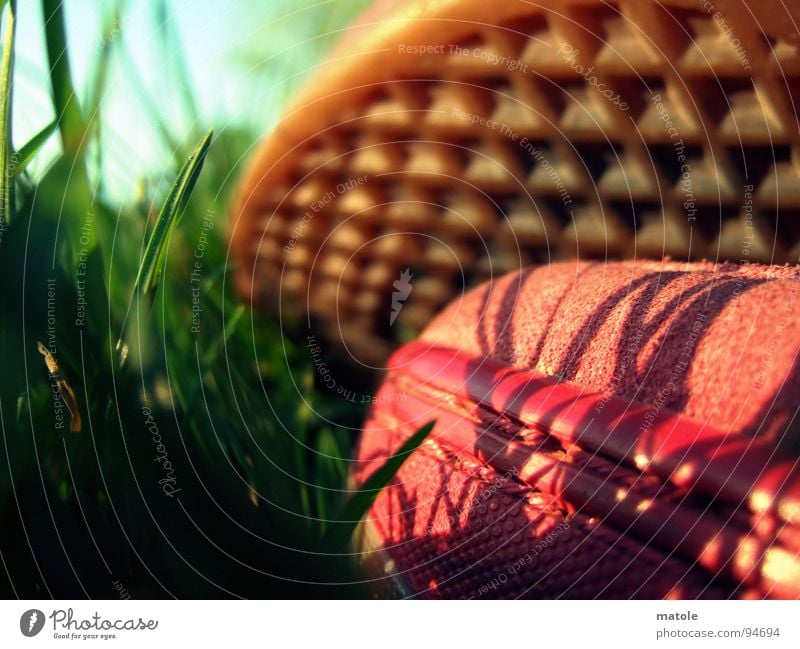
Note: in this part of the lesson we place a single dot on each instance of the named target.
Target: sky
(240, 61)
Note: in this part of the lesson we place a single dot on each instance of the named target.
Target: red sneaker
(612, 430)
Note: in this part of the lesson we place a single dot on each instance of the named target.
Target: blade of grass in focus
(339, 534)
(6, 84)
(152, 264)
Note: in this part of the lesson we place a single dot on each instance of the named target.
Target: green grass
(204, 465)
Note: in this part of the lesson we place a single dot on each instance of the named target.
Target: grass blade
(65, 100)
(6, 84)
(153, 262)
(31, 147)
(353, 511)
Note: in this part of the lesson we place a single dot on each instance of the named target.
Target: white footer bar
(398, 624)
